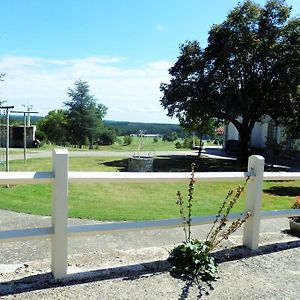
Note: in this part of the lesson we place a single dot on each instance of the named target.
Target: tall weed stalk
(192, 257)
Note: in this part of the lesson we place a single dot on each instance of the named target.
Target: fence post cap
(259, 157)
(60, 151)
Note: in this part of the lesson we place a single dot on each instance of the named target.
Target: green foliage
(40, 135)
(155, 139)
(170, 136)
(106, 137)
(250, 68)
(192, 258)
(127, 128)
(53, 127)
(188, 142)
(178, 145)
(84, 116)
(127, 140)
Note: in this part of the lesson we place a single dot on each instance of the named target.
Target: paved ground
(18, 252)
(133, 265)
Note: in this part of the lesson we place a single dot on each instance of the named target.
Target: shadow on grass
(136, 271)
(121, 164)
(178, 163)
(182, 163)
(283, 191)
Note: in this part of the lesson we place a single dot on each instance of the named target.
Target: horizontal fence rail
(61, 176)
(26, 177)
(154, 177)
(48, 177)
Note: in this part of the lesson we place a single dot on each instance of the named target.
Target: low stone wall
(140, 164)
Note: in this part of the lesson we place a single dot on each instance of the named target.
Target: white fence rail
(60, 177)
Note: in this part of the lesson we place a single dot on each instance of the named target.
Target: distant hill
(19, 118)
(124, 127)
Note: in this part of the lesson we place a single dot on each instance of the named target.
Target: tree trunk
(245, 130)
(200, 145)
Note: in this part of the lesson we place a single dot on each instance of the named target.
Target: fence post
(59, 251)
(253, 201)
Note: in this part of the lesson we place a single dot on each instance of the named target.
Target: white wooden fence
(60, 177)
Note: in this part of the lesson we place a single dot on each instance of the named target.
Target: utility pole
(7, 108)
(29, 107)
(28, 112)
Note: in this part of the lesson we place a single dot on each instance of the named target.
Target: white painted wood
(59, 251)
(253, 201)
(107, 228)
(282, 213)
(26, 234)
(26, 177)
(153, 177)
(47, 177)
(282, 176)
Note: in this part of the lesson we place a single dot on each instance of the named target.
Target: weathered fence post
(253, 201)
(59, 251)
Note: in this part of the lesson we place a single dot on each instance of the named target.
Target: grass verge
(118, 201)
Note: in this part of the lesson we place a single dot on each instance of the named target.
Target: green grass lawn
(134, 201)
(149, 145)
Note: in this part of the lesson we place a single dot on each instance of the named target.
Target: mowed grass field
(148, 145)
(123, 201)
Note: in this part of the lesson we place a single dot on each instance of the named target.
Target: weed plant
(192, 258)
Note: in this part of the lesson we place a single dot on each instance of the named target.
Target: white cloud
(130, 94)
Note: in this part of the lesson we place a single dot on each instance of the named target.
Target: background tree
(54, 126)
(107, 136)
(249, 69)
(200, 126)
(84, 115)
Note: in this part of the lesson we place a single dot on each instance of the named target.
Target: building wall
(260, 134)
(16, 136)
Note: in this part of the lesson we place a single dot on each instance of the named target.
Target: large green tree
(85, 115)
(54, 126)
(250, 68)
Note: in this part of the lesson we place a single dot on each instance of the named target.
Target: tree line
(82, 123)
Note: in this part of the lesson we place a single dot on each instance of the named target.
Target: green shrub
(127, 140)
(178, 145)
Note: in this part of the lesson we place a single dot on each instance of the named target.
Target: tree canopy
(250, 68)
(85, 115)
(54, 126)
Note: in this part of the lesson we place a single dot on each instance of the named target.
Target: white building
(261, 132)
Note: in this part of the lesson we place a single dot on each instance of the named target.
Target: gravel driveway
(133, 266)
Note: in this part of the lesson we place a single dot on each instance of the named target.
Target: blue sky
(122, 48)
